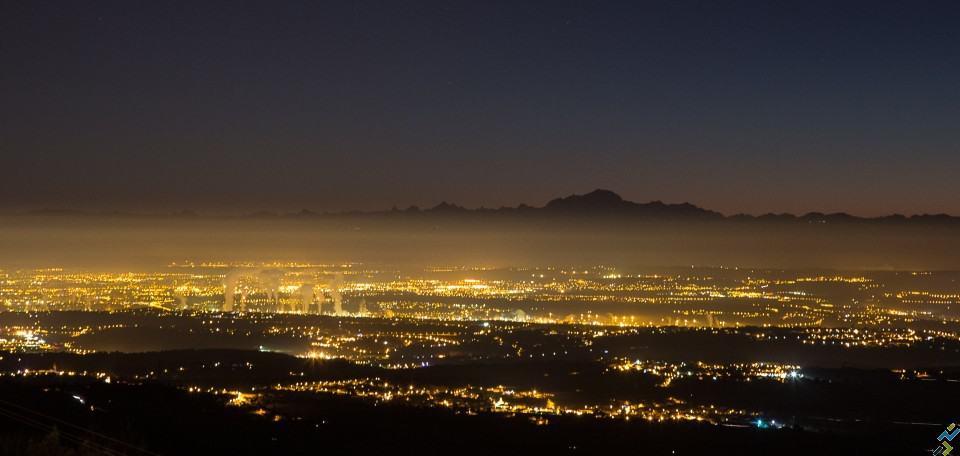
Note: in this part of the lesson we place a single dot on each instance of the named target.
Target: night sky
(234, 106)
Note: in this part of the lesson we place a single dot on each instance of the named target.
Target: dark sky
(235, 106)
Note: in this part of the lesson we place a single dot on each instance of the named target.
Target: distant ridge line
(599, 203)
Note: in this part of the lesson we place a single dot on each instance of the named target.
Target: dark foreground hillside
(54, 416)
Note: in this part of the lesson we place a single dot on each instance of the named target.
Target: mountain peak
(597, 199)
(445, 207)
(601, 201)
(600, 195)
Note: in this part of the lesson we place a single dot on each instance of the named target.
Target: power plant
(279, 290)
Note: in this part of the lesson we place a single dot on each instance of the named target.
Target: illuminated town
(541, 343)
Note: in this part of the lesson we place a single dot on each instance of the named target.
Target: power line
(65, 435)
(74, 426)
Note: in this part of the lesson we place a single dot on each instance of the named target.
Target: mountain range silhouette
(599, 203)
